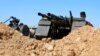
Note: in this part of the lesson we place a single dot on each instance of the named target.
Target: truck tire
(24, 30)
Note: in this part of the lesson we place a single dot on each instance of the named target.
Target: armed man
(83, 16)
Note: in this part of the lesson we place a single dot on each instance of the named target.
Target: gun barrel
(49, 14)
(52, 15)
(13, 17)
(43, 15)
(40, 14)
(7, 20)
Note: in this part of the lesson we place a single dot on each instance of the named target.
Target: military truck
(56, 26)
(50, 25)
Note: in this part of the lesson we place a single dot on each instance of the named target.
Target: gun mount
(57, 26)
(14, 23)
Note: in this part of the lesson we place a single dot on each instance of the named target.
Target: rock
(49, 47)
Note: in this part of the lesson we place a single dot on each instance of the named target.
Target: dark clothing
(88, 23)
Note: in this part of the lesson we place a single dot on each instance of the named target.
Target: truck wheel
(24, 30)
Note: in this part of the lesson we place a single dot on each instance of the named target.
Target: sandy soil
(84, 41)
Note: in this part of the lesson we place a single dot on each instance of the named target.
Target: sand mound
(81, 42)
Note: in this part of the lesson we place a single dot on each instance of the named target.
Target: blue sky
(26, 10)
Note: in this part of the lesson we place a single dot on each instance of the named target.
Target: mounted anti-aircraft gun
(14, 23)
(56, 26)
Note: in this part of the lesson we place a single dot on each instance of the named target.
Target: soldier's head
(82, 15)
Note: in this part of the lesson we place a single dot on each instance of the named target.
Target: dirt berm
(84, 41)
